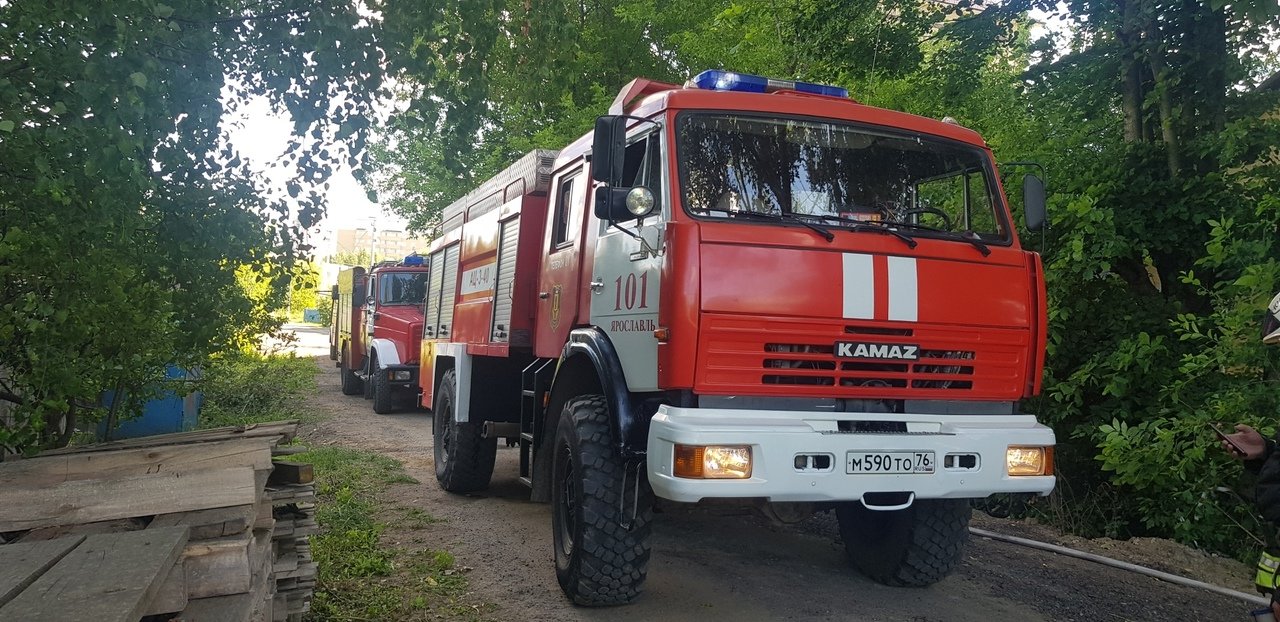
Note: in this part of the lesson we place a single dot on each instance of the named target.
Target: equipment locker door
(562, 265)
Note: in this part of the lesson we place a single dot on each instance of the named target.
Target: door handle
(597, 287)
(543, 295)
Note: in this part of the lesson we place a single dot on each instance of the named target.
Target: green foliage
(246, 387)
(124, 214)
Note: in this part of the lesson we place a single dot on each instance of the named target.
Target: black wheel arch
(589, 363)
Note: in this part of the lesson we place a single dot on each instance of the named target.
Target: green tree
(124, 213)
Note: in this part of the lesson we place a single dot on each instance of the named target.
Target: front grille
(784, 356)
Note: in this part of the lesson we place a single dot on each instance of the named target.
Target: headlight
(713, 461)
(639, 201)
(1029, 461)
(402, 375)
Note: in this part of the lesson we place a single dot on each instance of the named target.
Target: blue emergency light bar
(717, 80)
(413, 260)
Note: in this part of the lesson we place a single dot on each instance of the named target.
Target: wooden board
(21, 564)
(215, 523)
(172, 596)
(83, 501)
(219, 567)
(217, 609)
(284, 472)
(45, 471)
(283, 430)
(84, 529)
(108, 578)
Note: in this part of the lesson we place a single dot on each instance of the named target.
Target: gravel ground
(732, 563)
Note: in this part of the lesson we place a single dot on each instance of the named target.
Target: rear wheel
(914, 547)
(601, 547)
(384, 398)
(464, 460)
(351, 383)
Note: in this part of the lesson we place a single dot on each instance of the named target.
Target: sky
(261, 135)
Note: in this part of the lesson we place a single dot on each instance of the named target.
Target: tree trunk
(1163, 88)
(1131, 76)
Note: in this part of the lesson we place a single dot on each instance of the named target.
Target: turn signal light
(713, 461)
(1029, 461)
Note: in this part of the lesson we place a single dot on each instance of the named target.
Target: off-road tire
(914, 547)
(351, 383)
(464, 460)
(601, 550)
(384, 399)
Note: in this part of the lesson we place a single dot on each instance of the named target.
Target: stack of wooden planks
(196, 526)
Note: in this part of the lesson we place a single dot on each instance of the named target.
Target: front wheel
(602, 512)
(383, 397)
(464, 459)
(914, 547)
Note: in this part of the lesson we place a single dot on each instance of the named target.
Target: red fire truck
(375, 328)
(742, 288)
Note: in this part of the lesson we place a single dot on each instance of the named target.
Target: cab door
(627, 268)
(561, 272)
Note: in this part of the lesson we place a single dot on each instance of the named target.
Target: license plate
(888, 462)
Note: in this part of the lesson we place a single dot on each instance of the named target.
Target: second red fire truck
(742, 288)
(375, 330)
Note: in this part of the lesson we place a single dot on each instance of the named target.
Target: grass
(360, 578)
(242, 388)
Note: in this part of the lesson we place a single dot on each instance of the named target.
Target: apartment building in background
(385, 243)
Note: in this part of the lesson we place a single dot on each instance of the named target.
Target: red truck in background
(376, 328)
(750, 289)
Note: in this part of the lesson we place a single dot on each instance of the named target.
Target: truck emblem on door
(860, 350)
(555, 306)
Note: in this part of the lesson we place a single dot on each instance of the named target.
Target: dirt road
(731, 564)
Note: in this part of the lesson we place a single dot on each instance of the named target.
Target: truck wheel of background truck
(914, 547)
(351, 383)
(383, 398)
(464, 460)
(598, 560)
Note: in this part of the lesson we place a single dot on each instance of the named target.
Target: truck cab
(381, 314)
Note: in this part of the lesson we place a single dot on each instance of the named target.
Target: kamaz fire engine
(742, 288)
(375, 329)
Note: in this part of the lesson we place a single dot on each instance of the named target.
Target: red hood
(402, 324)
(962, 321)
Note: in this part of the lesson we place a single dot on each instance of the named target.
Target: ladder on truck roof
(531, 174)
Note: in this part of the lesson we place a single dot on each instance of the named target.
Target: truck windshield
(832, 173)
(402, 288)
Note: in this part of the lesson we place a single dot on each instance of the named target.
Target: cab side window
(566, 217)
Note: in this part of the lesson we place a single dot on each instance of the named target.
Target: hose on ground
(1115, 563)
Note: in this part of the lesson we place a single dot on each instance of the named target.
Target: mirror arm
(633, 234)
(1044, 175)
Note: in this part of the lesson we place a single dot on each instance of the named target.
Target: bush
(242, 388)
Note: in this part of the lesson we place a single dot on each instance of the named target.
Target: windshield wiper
(871, 225)
(973, 241)
(822, 231)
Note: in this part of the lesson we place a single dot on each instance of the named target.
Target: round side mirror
(639, 201)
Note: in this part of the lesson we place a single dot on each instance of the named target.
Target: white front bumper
(777, 437)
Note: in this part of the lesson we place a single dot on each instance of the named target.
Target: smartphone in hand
(1226, 439)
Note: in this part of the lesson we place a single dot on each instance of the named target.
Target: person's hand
(1247, 439)
(1275, 608)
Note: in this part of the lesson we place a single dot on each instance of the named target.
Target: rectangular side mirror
(1033, 202)
(607, 149)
